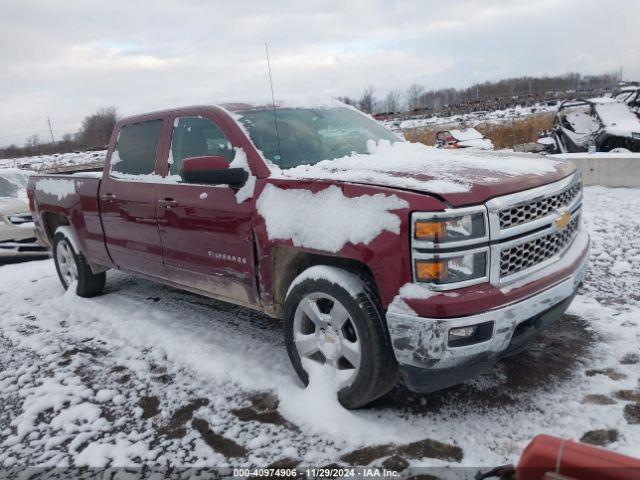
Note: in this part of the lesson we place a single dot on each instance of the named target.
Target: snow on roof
(602, 100)
(466, 134)
(419, 167)
(287, 102)
(618, 118)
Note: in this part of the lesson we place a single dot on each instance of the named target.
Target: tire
(72, 266)
(365, 327)
(615, 143)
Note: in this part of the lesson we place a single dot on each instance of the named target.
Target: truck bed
(73, 197)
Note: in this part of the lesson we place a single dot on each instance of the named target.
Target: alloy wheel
(325, 333)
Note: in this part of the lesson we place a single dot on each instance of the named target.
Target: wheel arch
(50, 222)
(288, 263)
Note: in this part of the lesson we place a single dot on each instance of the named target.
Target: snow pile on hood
(617, 118)
(418, 167)
(327, 220)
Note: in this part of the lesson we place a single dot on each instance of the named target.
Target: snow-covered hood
(461, 177)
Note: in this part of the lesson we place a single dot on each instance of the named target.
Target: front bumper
(429, 363)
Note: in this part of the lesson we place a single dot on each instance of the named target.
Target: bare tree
(32, 142)
(414, 93)
(367, 101)
(392, 101)
(96, 129)
(348, 101)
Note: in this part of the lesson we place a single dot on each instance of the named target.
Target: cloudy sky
(65, 59)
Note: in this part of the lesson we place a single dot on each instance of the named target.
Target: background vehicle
(379, 255)
(630, 95)
(17, 231)
(602, 123)
(464, 138)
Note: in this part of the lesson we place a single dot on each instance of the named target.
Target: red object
(574, 460)
(195, 164)
(200, 238)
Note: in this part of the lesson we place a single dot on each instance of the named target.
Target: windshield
(13, 185)
(308, 136)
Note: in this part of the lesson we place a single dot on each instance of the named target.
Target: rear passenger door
(127, 199)
(206, 234)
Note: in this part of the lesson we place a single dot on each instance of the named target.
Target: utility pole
(50, 130)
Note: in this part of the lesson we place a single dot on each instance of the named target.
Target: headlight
(448, 268)
(463, 226)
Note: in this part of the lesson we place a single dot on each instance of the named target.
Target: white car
(17, 232)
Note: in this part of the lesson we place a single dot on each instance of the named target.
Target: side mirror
(212, 170)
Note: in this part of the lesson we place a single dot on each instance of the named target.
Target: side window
(196, 137)
(135, 152)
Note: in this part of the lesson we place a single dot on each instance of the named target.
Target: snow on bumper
(424, 342)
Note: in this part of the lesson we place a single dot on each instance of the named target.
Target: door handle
(108, 197)
(168, 202)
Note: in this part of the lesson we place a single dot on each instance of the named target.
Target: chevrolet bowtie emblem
(562, 221)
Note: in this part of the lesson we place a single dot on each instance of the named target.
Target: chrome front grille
(525, 228)
(540, 208)
(534, 252)
(525, 234)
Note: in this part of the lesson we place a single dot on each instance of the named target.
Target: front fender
(359, 223)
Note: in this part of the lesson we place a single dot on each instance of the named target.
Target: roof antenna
(273, 102)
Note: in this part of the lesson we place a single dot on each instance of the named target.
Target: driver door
(206, 235)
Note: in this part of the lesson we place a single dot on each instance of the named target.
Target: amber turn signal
(430, 230)
(429, 270)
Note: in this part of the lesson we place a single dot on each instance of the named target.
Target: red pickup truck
(383, 258)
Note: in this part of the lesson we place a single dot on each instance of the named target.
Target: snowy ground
(146, 374)
(43, 162)
(469, 119)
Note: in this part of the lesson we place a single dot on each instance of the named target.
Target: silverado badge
(562, 221)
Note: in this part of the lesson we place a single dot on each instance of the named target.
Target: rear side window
(135, 153)
(197, 137)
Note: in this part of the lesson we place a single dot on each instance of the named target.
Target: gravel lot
(149, 375)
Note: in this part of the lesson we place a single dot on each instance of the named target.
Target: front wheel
(73, 267)
(332, 319)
